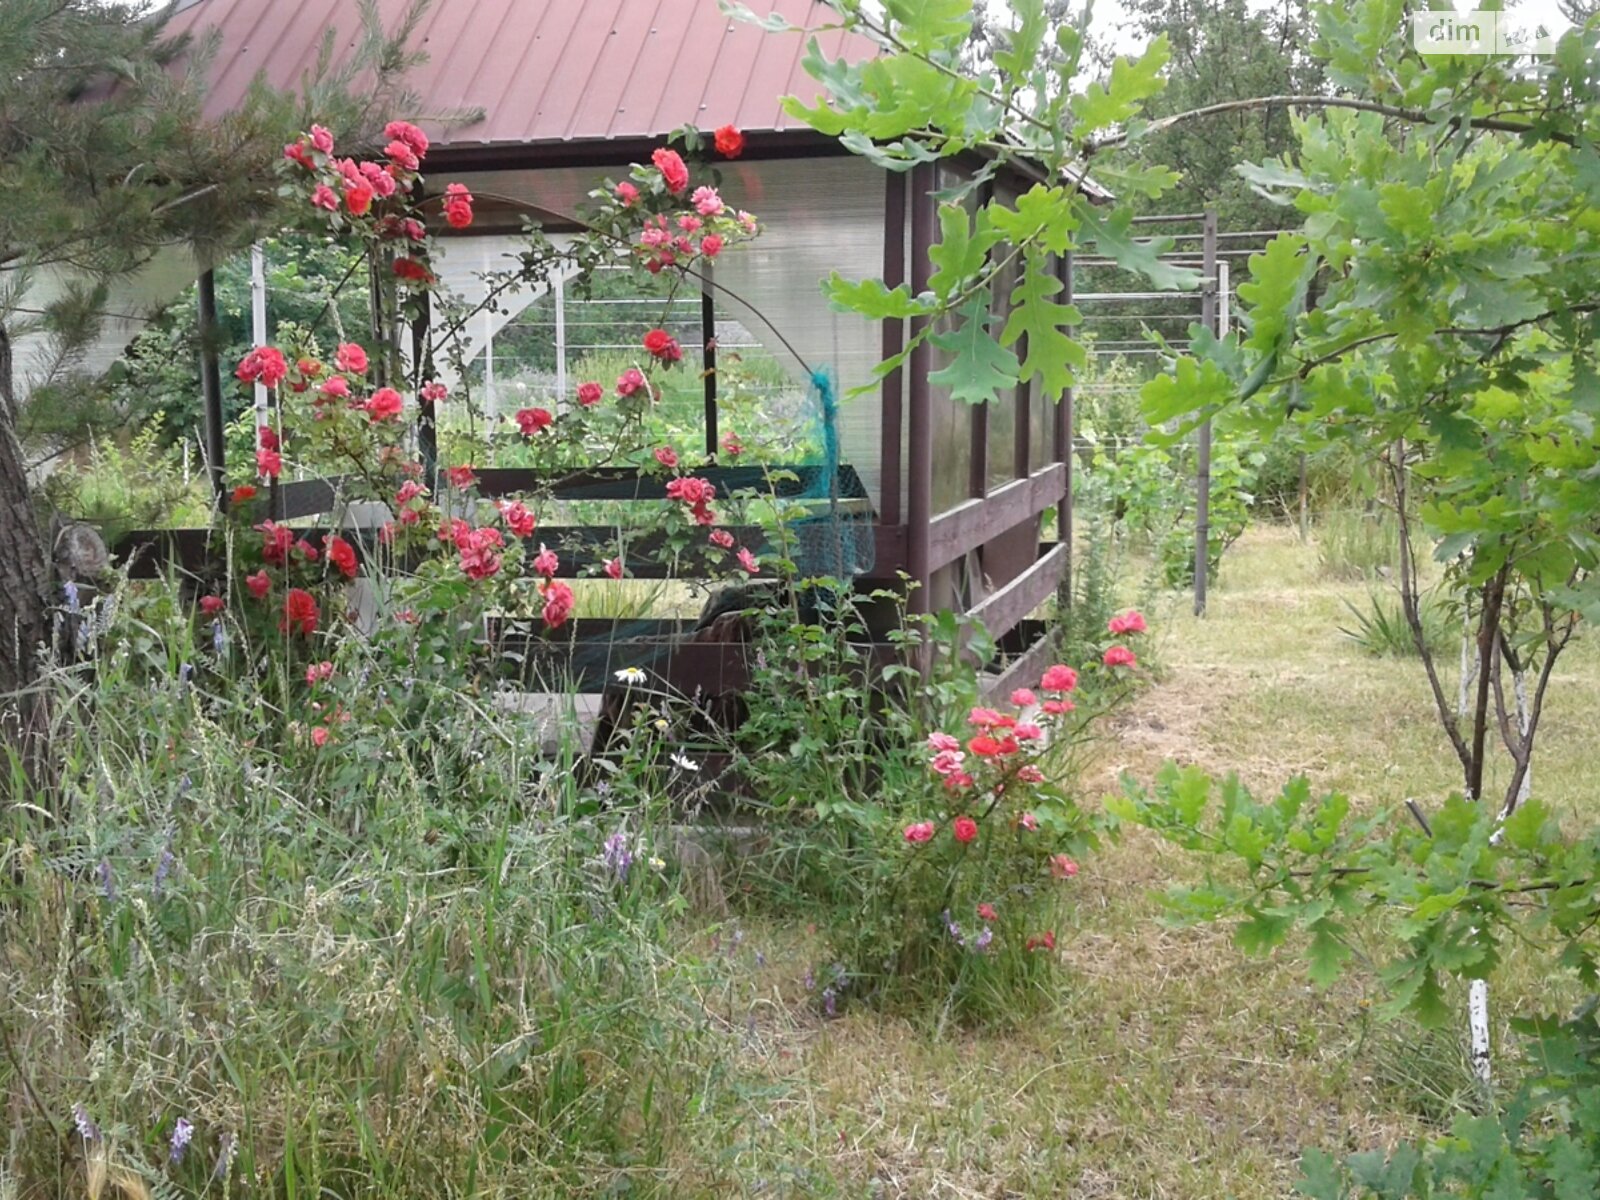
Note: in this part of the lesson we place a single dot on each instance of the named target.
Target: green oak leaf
(979, 366)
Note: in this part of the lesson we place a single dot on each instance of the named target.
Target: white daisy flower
(684, 764)
(631, 675)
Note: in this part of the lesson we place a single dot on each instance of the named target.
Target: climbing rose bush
(446, 556)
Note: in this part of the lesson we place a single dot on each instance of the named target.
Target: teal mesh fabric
(833, 536)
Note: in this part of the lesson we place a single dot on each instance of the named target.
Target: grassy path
(1171, 1066)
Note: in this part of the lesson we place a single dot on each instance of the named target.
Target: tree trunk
(24, 568)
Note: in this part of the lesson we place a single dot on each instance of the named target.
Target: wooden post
(1202, 502)
(919, 422)
(211, 390)
(1063, 450)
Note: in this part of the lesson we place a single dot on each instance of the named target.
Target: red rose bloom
(458, 206)
(657, 341)
(964, 829)
(729, 142)
(212, 605)
(673, 172)
(259, 584)
(461, 477)
(385, 404)
(299, 612)
(358, 199)
(243, 492)
(411, 269)
(557, 603)
(531, 420)
(350, 357)
(589, 394)
(341, 554)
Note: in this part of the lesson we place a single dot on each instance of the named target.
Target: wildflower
(225, 1150)
(1042, 941)
(964, 829)
(300, 612)
(922, 831)
(981, 943)
(616, 855)
(108, 886)
(558, 601)
(590, 394)
(810, 979)
(631, 675)
(546, 562)
(613, 568)
(830, 1001)
(1129, 622)
(673, 173)
(87, 1129)
(350, 358)
(1059, 678)
(1062, 867)
(657, 864)
(219, 639)
(163, 868)
(666, 456)
(987, 912)
(729, 141)
(1120, 656)
(532, 420)
(952, 927)
(319, 673)
(684, 763)
(1024, 698)
(182, 1133)
(748, 561)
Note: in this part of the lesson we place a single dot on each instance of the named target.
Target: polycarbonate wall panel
(818, 215)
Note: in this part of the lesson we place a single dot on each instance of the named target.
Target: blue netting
(834, 535)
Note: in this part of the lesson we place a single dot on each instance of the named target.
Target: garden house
(971, 504)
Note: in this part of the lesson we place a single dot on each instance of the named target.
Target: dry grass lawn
(1171, 1066)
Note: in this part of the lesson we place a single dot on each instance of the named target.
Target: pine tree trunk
(24, 564)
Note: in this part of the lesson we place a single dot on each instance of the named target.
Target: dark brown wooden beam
(211, 391)
(1003, 610)
(1024, 670)
(894, 340)
(919, 465)
(970, 525)
(1063, 444)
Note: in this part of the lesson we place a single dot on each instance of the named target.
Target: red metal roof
(546, 70)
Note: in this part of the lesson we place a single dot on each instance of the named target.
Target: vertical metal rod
(211, 390)
(488, 369)
(708, 354)
(559, 287)
(894, 340)
(1202, 503)
(919, 468)
(258, 322)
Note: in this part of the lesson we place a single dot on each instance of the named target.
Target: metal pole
(1202, 508)
(708, 355)
(488, 367)
(560, 288)
(258, 323)
(211, 390)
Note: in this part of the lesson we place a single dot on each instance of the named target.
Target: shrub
(1381, 628)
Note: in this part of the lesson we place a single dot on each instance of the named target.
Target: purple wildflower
(163, 868)
(617, 856)
(87, 1129)
(953, 926)
(981, 942)
(811, 979)
(219, 639)
(73, 604)
(182, 1133)
(107, 885)
(829, 1004)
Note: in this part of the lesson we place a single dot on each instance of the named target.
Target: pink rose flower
(1059, 679)
(1120, 656)
(673, 172)
(965, 829)
(614, 568)
(589, 394)
(922, 831)
(545, 562)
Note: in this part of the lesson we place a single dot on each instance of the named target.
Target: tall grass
(1358, 545)
(406, 963)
